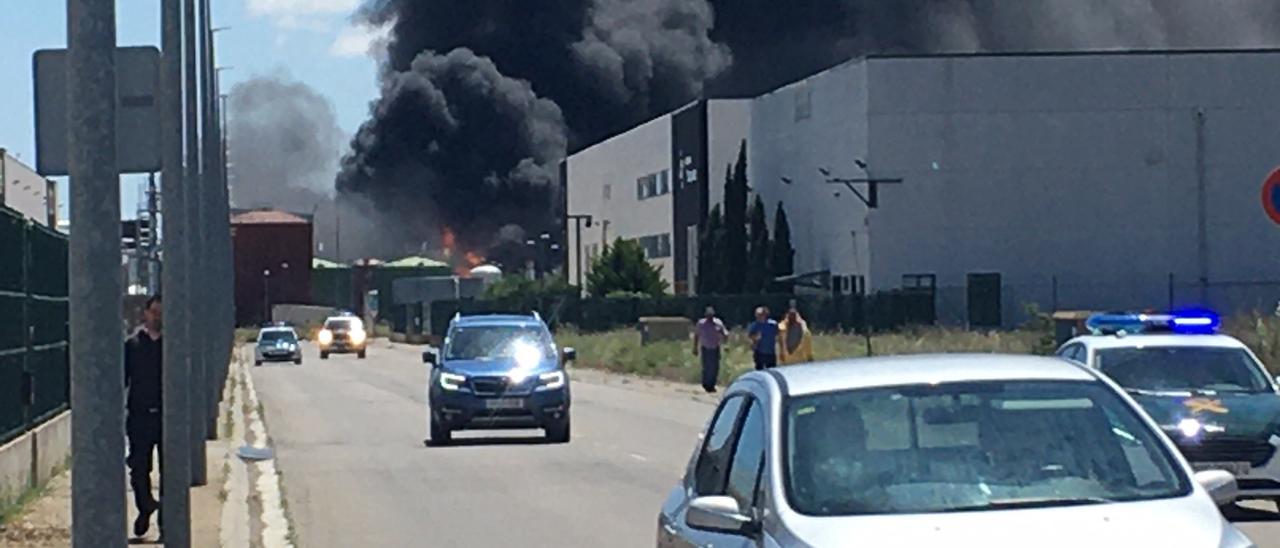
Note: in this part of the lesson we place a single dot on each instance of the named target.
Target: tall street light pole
(196, 229)
(175, 454)
(97, 371)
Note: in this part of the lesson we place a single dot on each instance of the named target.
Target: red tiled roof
(267, 217)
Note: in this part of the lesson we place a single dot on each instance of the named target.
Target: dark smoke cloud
(284, 143)
(464, 133)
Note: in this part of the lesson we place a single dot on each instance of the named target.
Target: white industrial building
(25, 191)
(1081, 180)
(654, 184)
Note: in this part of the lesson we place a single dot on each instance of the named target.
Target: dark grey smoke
(464, 136)
(283, 145)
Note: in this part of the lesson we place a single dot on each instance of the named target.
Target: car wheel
(297, 361)
(324, 355)
(439, 434)
(558, 432)
(360, 354)
(257, 362)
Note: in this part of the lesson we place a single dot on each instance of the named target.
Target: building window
(656, 246)
(608, 191)
(804, 102)
(653, 184)
(919, 281)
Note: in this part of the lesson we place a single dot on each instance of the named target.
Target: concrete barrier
(34, 458)
(15, 468)
(301, 314)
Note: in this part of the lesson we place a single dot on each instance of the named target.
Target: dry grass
(620, 351)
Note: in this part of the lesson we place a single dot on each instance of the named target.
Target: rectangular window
(656, 246)
(664, 182)
(804, 102)
(919, 281)
(608, 191)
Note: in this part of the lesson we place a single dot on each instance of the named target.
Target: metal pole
(97, 369)
(196, 389)
(266, 296)
(175, 454)
(215, 221)
(1202, 211)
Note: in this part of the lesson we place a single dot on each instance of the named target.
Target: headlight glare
(325, 337)
(357, 336)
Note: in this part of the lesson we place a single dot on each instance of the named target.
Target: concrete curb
(32, 459)
(247, 481)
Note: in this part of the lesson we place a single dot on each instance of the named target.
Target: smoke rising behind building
(480, 100)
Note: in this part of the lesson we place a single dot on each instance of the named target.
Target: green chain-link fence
(34, 358)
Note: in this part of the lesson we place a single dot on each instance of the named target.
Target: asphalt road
(348, 435)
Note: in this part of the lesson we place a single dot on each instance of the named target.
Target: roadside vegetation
(620, 351)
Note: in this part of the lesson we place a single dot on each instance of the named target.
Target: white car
(953, 450)
(277, 344)
(1207, 391)
(342, 335)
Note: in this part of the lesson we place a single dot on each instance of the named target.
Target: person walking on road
(142, 362)
(707, 341)
(795, 340)
(764, 339)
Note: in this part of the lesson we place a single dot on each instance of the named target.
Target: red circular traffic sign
(1271, 196)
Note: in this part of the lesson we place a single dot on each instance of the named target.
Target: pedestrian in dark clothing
(707, 340)
(764, 340)
(142, 363)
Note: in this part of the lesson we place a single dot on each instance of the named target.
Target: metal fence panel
(34, 358)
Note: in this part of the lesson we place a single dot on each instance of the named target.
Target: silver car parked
(955, 450)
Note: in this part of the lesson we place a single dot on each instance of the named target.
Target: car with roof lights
(277, 343)
(498, 372)
(1207, 391)
(945, 450)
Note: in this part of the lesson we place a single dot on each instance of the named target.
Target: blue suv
(497, 372)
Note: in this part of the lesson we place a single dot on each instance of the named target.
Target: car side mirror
(1220, 485)
(429, 357)
(719, 514)
(569, 354)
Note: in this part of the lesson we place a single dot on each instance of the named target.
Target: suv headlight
(357, 337)
(551, 381)
(325, 337)
(452, 382)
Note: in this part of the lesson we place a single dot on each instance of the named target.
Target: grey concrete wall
(796, 131)
(24, 189)
(1079, 168)
(33, 458)
(618, 162)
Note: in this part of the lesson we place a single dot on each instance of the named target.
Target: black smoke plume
(480, 99)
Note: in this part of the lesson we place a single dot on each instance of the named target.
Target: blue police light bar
(1187, 322)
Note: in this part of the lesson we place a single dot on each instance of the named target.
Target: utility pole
(212, 223)
(175, 453)
(196, 264)
(97, 371)
(577, 228)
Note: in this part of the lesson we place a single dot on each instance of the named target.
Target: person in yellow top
(795, 342)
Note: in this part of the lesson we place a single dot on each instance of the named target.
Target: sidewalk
(46, 521)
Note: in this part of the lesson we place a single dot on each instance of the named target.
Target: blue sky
(313, 41)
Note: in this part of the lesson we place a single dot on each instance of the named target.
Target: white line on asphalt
(275, 531)
(639, 457)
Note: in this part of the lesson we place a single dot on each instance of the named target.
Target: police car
(1207, 391)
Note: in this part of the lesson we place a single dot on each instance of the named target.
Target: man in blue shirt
(764, 339)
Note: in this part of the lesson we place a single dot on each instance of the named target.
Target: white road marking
(639, 457)
(275, 531)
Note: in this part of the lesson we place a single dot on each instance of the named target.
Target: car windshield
(1183, 368)
(971, 447)
(339, 324)
(276, 336)
(493, 342)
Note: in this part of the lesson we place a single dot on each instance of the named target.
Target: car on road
(277, 343)
(1207, 391)
(498, 372)
(948, 450)
(342, 335)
